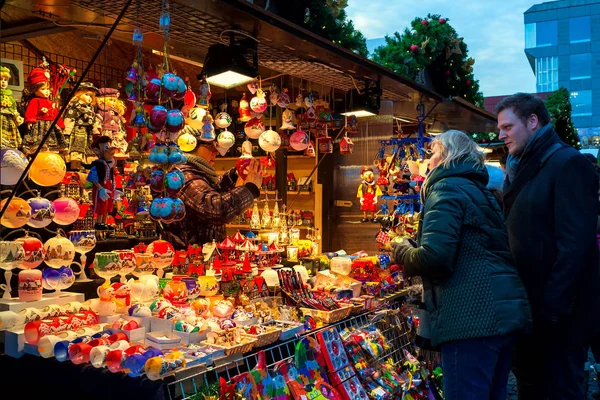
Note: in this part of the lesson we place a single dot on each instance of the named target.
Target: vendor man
(211, 201)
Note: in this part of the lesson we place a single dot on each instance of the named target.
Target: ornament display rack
(187, 382)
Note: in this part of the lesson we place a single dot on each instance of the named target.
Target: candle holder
(292, 253)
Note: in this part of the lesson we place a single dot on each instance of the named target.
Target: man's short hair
(523, 105)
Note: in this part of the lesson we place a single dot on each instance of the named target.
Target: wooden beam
(31, 30)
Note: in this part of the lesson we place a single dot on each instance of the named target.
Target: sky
(493, 31)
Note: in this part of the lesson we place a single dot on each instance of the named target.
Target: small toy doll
(9, 116)
(107, 114)
(119, 140)
(208, 129)
(80, 118)
(102, 176)
(40, 111)
(368, 193)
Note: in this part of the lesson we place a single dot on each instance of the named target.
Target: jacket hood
(468, 169)
(496, 177)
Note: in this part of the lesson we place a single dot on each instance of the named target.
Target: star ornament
(454, 47)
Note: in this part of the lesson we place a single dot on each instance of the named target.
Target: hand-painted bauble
(258, 104)
(189, 100)
(66, 210)
(158, 203)
(162, 253)
(157, 180)
(187, 142)
(34, 252)
(42, 212)
(175, 121)
(222, 120)
(299, 140)
(175, 154)
(181, 89)
(57, 279)
(153, 89)
(17, 214)
(179, 209)
(283, 100)
(12, 164)
(169, 83)
(158, 118)
(254, 128)
(48, 169)
(195, 118)
(253, 86)
(226, 140)
(173, 183)
(241, 166)
(59, 251)
(167, 212)
(269, 141)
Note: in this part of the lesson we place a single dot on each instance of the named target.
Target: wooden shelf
(243, 226)
(293, 157)
(289, 193)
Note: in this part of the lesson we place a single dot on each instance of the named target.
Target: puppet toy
(80, 120)
(102, 176)
(368, 193)
(108, 118)
(9, 116)
(40, 111)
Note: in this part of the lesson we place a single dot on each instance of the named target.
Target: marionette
(40, 111)
(368, 193)
(107, 114)
(120, 137)
(102, 177)
(9, 116)
(205, 94)
(80, 118)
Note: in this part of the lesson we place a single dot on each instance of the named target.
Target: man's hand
(255, 173)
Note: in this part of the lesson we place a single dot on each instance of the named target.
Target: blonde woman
(477, 304)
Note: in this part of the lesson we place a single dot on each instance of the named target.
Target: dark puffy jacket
(471, 287)
(209, 206)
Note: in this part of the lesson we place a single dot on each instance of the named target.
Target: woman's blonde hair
(457, 146)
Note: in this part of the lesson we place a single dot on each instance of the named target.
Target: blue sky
(492, 29)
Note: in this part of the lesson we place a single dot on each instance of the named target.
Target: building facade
(562, 44)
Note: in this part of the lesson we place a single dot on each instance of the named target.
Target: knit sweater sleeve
(208, 205)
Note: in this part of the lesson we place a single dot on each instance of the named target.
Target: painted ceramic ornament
(66, 210)
(269, 141)
(35, 253)
(253, 86)
(283, 99)
(175, 154)
(157, 180)
(181, 89)
(226, 140)
(169, 84)
(259, 102)
(139, 310)
(153, 89)
(59, 251)
(254, 128)
(57, 279)
(299, 140)
(179, 209)
(175, 121)
(187, 142)
(194, 120)
(167, 213)
(223, 120)
(287, 120)
(241, 167)
(244, 110)
(201, 307)
(30, 285)
(12, 163)
(163, 253)
(42, 212)
(222, 309)
(208, 129)
(158, 118)
(17, 214)
(48, 169)
(227, 324)
(173, 183)
(155, 207)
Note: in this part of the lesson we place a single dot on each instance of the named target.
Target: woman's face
(436, 155)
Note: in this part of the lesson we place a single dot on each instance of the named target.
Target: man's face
(3, 81)
(208, 152)
(515, 132)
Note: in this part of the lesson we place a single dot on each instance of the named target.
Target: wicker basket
(265, 339)
(240, 348)
(357, 309)
(328, 317)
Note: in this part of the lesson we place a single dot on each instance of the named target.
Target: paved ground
(594, 385)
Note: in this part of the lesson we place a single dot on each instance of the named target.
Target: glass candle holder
(292, 253)
(294, 236)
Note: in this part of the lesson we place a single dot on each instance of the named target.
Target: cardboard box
(162, 340)
(160, 325)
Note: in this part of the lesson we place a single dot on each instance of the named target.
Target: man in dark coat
(211, 201)
(550, 200)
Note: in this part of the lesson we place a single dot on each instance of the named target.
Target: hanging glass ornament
(266, 217)
(255, 218)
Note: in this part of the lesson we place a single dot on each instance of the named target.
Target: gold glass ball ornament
(48, 169)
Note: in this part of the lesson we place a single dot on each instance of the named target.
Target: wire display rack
(390, 323)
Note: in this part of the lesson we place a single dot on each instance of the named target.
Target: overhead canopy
(284, 48)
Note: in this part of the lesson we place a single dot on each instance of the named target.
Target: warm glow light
(359, 113)
(229, 79)
(185, 60)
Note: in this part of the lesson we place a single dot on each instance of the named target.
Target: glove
(400, 249)
(362, 200)
(104, 194)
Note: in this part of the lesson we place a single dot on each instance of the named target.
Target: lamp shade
(226, 67)
(365, 104)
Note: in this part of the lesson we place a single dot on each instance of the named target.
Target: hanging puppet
(80, 118)
(107, 113)
(40, 111)
(9, 116)
(102, 176)
(368, 193)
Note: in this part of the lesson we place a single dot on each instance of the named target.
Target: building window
(581, 66)
(529, 36)
(546, 72)
(581, 102)
(546, 34)
(580, 30)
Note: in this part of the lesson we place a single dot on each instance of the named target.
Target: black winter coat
(471, 288)
(550, 210)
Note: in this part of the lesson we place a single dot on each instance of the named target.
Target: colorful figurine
(368, 193)
(80, 118)
(9, 116)
(102, 176)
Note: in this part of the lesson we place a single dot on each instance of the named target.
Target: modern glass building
(562, 44)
